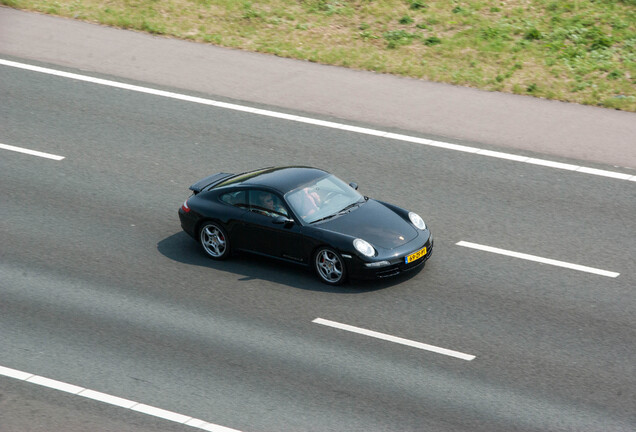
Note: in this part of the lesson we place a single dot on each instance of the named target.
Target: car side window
(266, 203)
(236, 198)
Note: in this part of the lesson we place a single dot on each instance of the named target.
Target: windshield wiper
(325, 218)
(343, 211)
(350, 206)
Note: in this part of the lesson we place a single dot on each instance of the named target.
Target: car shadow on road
(182, 248)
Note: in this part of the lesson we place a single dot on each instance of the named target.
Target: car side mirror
(354, 185)
(282, 220)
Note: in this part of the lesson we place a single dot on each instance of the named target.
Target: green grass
(571, 50)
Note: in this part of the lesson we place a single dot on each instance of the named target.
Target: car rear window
(236, 198)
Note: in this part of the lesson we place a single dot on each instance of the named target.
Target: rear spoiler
(209, 181)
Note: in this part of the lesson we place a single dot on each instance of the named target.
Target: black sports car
(307, 216)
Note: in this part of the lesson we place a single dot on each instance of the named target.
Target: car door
(263, 233)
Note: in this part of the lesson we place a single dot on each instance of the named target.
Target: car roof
(282, 179)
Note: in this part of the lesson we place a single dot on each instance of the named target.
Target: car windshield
(323, 198)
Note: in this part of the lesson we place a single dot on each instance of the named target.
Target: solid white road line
(538, 259)
(328, 124)
(106, 398)
(31, 152)
(394, 339)
(56, 385)
(113, 400)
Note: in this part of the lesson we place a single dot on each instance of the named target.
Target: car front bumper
(391, 266)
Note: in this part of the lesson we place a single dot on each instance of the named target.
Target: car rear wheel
(214, 240)
(329, 266)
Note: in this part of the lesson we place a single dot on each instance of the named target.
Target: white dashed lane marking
(394, 339)
(538, 259)
(31, 152)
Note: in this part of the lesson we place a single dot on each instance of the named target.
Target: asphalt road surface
(100, 288)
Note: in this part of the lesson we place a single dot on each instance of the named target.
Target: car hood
(375, 223)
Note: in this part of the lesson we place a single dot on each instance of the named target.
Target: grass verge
(570, 50)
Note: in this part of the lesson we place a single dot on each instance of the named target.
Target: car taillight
(185, 207)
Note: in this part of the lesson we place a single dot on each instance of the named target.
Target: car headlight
(417, 220)
(364, 247)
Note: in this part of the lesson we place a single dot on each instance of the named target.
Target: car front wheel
(214, 240)
(329, 266)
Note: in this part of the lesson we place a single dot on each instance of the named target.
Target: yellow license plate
(415, 255)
